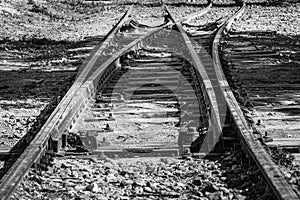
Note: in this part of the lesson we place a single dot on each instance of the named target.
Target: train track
(133, 85)
(273, 105)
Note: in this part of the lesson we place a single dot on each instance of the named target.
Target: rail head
(63, 115)
(215, 122)
(39, 144)
(273, 175)
(197, 14)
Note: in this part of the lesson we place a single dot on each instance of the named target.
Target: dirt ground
(42, 45)
(264, 53)
(261, 59)
(56, 20)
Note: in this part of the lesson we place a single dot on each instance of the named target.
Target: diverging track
(148, 91)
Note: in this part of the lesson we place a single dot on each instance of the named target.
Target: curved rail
(273, 175)
(197, 14)
(89, 82)
(136, 24)
(104, 72)
(48, 138)
(41, 143)
(206, 85)
(92, 79)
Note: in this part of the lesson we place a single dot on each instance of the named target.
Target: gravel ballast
(145, 178)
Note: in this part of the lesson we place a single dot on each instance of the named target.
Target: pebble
(160, 176)
(147, 189)
(197, 181)
(256, 18)
(225, 190)
(93, 187)
(283, 36)
(79, 187)
(85, 179)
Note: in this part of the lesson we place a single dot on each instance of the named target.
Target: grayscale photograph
(149, 99)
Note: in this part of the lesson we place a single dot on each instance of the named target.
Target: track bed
(149, 91)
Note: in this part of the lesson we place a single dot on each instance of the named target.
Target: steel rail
(63, 114)
(88, 89)
(273, 175)
(197, 14)
(90, 86)
(215, 119)
(41, 143)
